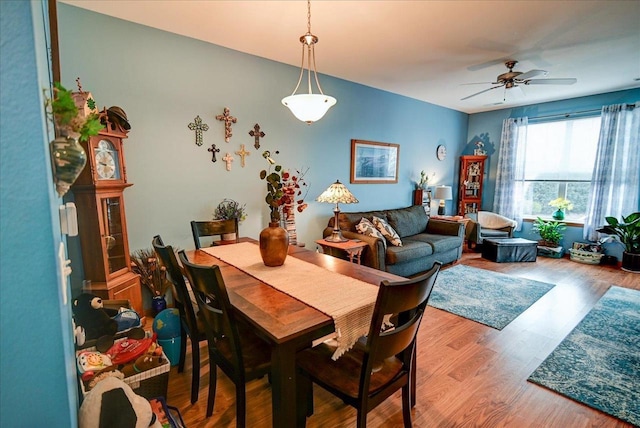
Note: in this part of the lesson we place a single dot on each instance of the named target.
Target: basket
(587, 257)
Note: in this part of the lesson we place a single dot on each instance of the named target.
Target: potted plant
(153, 275)
(627, 232)
(561, 205)
(551, 233)
(229, 209)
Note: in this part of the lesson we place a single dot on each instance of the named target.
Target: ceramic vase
(274, 244)
(558, 215)
(69, 158)
(158, 304)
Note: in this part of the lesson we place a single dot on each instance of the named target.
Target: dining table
(287, 324)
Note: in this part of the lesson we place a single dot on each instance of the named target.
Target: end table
(352, 247)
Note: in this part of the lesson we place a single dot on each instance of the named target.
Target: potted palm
(229, 209)
(551, 233)
(627, 232)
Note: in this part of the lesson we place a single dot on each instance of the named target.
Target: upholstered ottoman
(504, 250)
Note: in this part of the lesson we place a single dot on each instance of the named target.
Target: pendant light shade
(308, 107)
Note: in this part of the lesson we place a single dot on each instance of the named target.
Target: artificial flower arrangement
(561, 204)
(152, 274)
(424, 180)
(66, 117)
(283, 187)
(229, 209)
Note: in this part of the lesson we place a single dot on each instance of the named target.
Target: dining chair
(232, 346)
(202, 229)
(191, 324)
(380, 363)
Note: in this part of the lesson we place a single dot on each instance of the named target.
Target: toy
(142, 364)
(127, 350)
(91, 361)
(89, 313)
(112, 403)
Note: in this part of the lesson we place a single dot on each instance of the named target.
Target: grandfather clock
(102, 223)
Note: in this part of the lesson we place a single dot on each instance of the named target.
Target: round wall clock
(441, 152)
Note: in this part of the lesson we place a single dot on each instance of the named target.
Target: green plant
(229, 209)
(152, 274)
(550, 231)
(424, 180)
(627, 231)
(64, 114)
(283, 187)
(562, 204)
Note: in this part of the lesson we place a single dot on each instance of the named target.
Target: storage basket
(587, 257)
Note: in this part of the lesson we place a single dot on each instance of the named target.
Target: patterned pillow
(365, 227)
(387, 231)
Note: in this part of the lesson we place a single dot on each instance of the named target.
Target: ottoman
(503, 250)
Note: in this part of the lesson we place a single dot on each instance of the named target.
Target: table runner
(349, 301)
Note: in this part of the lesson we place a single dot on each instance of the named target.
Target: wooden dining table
(287, 324)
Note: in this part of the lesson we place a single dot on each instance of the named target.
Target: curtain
(508, 199)
(615, 184)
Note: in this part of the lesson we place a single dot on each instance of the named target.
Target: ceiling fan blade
(481, 92)
(532, 73)
(567, 81)
(479, 83)
(517, 92)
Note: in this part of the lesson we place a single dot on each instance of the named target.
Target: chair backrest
(213, 228)
(217, 314)
(406, 302)
(181, 296)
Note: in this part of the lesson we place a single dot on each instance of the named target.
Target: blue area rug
(598, 363)
(487, 297)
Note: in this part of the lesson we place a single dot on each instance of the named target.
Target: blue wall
(37, 367)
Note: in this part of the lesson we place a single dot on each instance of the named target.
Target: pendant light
(308, 107)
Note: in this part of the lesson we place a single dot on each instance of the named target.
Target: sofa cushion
(365, 227)
(348, 221)
(408, 221)
(410, 250)
(387, 231)
(439, 243)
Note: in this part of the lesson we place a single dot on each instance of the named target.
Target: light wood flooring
(469, 375)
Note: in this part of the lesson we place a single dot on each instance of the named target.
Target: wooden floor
(469, 375)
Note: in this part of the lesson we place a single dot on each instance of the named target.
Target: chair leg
(195, 370)
(413, 376)
(183, 350)
(213, 378)
(241, 405)
(406, 406)
(362, 418)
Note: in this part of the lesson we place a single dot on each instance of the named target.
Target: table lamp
(335, 194)
(443, 193)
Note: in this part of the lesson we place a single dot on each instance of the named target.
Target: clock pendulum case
(102, 223)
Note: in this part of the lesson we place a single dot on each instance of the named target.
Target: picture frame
(374, 163)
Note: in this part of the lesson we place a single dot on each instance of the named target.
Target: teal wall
(163, 81)
(37, 367)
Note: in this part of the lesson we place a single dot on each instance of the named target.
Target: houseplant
(561, 205)
(153, 276)
(229, 209)
(627, 232)
(551, 233)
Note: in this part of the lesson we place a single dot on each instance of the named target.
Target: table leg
(283, 385)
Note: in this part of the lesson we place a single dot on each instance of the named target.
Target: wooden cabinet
(471, 182)
(423, 197)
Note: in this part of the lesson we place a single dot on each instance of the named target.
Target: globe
(167, 324)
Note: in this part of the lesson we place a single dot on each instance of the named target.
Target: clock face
(441, 152)
(106, 161)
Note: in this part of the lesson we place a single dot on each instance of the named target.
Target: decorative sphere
(167, 324)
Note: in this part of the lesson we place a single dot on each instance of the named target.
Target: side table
(353, 248)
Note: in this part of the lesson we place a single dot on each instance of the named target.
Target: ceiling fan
(513, 79)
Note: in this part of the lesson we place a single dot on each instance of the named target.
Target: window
(559, 161)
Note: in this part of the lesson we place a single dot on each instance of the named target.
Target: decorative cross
(228, 120)
(228, 159)
(256, 133)
(242, 153)
(198, 126)
(213, 151)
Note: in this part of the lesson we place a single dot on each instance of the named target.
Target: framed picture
(373, 162)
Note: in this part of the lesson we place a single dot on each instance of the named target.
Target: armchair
(486, 224)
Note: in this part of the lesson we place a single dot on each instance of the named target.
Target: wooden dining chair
(232, 346)
(202, 229)
(378, 365)
(191, 324)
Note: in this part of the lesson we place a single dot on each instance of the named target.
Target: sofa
(424, 240)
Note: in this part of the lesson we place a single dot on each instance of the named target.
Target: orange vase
(274, 244)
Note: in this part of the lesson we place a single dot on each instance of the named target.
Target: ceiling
(425, 50)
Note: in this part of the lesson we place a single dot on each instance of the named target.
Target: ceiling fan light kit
(513, 79)
(309, 107)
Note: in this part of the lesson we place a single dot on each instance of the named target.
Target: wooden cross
(242, 153)
(213, 151)
(198, 126)
(228, 159)
(256, 133)
(228, 120)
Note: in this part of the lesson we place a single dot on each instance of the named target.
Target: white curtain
(509, 197)
(615, 184)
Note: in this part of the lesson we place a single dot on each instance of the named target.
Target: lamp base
(441, 210)
(336, 236)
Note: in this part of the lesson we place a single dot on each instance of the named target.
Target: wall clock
(441, 152)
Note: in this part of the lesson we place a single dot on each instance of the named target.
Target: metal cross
(256, 133)
(228, 120)
(228, 159)
(213, 151)
(198, 126)
(242, 153)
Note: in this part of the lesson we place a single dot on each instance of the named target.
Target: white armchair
(486, 224)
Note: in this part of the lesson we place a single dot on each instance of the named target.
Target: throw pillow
(387, 231)
(365, 227)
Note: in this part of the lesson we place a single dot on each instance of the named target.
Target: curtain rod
(574, 113)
